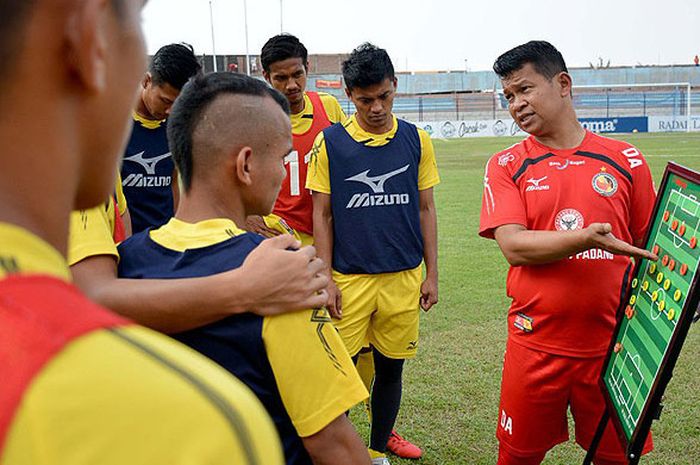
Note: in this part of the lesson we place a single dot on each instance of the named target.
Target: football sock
(365, 367)
(385, 400)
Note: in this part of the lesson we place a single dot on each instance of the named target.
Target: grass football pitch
(451, 390)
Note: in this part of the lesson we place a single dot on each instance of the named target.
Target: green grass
(451, 389)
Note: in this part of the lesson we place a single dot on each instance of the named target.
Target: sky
(440, 34)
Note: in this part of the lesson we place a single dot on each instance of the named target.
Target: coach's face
(535, 102)
(374, 105)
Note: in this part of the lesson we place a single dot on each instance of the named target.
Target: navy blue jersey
(236, 343)
(375, 202)
(147, 176)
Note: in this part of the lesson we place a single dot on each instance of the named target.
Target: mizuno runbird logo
(376, 182)
(149, 164)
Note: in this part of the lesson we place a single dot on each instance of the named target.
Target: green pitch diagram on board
(659, 292)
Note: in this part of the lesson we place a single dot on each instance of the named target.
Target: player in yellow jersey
(272, 280)
(285, 65)
(229, 134)
(81, 385)
(372, 179)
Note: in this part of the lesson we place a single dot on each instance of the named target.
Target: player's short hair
(193, 101)
(282, 47)
(174, 64)
(543, 56)
(13, 18)
(367, 65)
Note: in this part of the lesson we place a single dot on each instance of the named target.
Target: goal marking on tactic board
(624, 396)
(678, 240)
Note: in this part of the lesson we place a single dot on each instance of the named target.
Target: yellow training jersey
(92, 230)
(296, 363)
(112, 396)
(301, 122)
(318, 178)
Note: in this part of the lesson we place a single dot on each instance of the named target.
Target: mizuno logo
(376, 182)
(536, 182)
(140, 180)
(535, 185)
(377, 200)
(149, 164)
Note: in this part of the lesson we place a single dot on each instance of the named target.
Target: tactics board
(655, 316)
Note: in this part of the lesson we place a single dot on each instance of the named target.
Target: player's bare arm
(323, 239)
(256, 224)
(521, 246)
(126, 221)
(272, 280)
(428, 226)
(337, 444)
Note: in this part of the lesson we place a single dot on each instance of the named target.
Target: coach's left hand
(428, 293)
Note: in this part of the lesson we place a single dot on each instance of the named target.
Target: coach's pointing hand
(600, 235)
(281, 280)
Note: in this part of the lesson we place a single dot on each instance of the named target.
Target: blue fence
(588, 103)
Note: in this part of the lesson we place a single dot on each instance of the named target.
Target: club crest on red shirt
(604, 183)
(568, 220)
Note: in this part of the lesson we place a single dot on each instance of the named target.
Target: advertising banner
(455, 129)
(477, 128)
(324, 84)
(673, 123)
(621, 124)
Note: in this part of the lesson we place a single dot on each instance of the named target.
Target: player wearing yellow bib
(81, 385)
(375, 221)
(229, 134)
(285, 64)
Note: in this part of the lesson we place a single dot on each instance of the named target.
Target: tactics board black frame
(651, 409)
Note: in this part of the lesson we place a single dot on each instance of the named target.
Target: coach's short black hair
(282, 47)
(196, 96)
(174, 64)
(543, 56)
(367, 65)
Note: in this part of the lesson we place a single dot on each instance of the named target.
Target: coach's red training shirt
(568, 307)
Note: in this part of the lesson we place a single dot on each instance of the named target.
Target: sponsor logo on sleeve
(506, 158)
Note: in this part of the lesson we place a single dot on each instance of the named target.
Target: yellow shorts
(382, 310)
